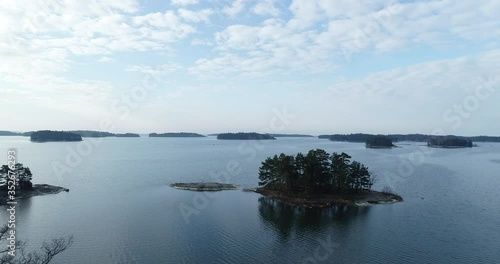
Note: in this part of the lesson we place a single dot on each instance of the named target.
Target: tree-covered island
(180, 134)
(54, 136)
(449, 142)
(319, 179)
(244, 136)
(90, 134)
(379, 141)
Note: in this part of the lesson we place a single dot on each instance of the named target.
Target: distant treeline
(98, 134)
(245, 136)
(485, 139)
(277, 135)
(450, 142)
(360, 137)
(54, 136)
(8, 133)
(127, 135)
(93, 134)
(82, 133)
(181, 134)
(289, 135)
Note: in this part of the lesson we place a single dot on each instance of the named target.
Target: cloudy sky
(300, 66)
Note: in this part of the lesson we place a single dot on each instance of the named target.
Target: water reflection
(23, 208)
(287, 220)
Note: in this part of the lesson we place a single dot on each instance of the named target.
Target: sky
(209, 66)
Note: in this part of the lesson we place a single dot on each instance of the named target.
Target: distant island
(82, 133)
(101, 134)
(379, 141)
(361, 137)
(24, 188)
(54, 136)
(180, 134)
(127, 135)
(244, 136)
(449, 142)
(290, 135)
(278, 135)
(319, 179)
(92, 134)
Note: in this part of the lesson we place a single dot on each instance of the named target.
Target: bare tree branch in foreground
(47, 251)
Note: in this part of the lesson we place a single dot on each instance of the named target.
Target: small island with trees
(180, 134)
(22, 184)
(449, 142)
(379, 141)
(319, 179)
(244, 136)
(54, 136)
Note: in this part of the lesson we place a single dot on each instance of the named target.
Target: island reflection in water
(289, 220)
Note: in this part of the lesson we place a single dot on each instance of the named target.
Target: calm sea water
(120, 208)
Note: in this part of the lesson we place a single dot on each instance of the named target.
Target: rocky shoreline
(366, 198)
(38, 189)
(204, 186)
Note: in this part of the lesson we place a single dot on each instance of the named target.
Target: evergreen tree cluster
(315, 172)
(23, 177)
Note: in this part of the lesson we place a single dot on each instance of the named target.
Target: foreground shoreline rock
(204, 186)
(38, 190)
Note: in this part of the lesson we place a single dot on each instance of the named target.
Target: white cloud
(235, 8)
(105, 59)
(184, 2)
(201, 42)
(266, 7)
(42, 44)
(196, 16)
(324, 32)
(160, 69)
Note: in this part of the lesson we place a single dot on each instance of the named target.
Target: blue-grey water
(120, 208)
